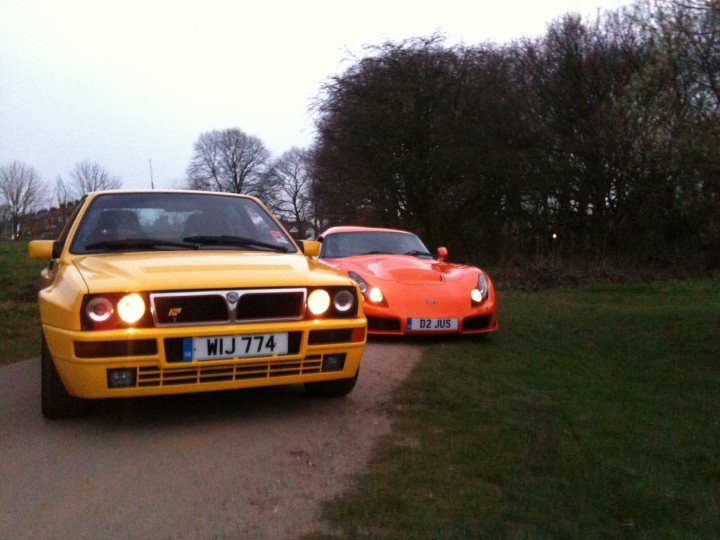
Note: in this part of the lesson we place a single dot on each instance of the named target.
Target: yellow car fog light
(99, 309)
(121, 378)
(375, 295)
(318, 301)
(131, 308)
(333, 362)
(476, 296)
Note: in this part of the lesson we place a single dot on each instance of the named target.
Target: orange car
(406, 290)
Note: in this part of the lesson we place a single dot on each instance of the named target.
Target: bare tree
(63, 198)
(291, 179)
(90, 176)
(229, 161)
(22, 190)
(61, 193)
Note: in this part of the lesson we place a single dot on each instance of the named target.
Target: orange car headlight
(360, 281)
(375, 295)
(481, 291)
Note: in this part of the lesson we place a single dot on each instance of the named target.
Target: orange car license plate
(431, 324)
(238, 346)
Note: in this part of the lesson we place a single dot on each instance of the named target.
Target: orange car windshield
(349, 244)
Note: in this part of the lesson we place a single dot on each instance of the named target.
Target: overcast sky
(126, 82)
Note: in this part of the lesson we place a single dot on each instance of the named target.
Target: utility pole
(152, 183)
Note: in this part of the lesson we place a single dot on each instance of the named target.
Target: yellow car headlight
(318, 301)
(343, 301)
(111, 310)
(99, 309)
(131, 308)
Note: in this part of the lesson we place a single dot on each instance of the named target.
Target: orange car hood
(210, 270)
(401, 268)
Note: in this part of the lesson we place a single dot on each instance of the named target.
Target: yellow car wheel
(56, 402)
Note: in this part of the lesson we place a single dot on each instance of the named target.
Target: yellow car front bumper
(150, 364)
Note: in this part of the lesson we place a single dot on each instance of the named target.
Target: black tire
(56, 402)
(332, 389)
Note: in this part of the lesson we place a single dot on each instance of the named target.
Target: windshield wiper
(234, 241)
(374, 253)
(140, 243)
(418, 253)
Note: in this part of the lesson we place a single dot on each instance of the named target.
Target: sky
(133, 84)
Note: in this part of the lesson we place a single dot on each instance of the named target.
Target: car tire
(56, 402)
(332, 389)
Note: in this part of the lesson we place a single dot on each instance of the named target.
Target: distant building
(46, 223)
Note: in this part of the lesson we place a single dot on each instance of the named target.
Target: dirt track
(248, 464)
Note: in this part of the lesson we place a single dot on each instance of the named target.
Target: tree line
(595, 142)
(232, 161)
(23, 191)
(223, 160)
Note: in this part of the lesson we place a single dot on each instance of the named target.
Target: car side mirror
(441, 253)
(40, 249)
(45, 249)
(311, 248)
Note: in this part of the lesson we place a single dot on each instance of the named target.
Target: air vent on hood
(416, 275)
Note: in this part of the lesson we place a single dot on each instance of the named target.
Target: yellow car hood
(154, 271)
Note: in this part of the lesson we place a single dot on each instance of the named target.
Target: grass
(592, 413)
(19, 324)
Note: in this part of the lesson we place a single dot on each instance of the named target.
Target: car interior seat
(116, 225)
(205, 224)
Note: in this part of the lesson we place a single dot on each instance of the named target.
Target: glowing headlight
(99, 309)
(343, 301)
(480, 293)
(318, 301)
(371, 293)
(131, 308)
(375, 295)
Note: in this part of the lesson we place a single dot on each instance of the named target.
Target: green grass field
(592, 413)
(19, 280)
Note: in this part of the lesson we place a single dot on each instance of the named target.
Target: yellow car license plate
(237, 346)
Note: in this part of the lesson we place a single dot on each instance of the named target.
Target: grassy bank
(19, 278)
(593, 412)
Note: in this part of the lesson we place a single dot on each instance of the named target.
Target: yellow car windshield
(178, 220)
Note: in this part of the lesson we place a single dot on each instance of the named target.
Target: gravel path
(248, 464)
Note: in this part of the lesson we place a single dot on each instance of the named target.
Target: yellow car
(167, 292)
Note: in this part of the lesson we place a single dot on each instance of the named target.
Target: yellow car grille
(222, 307)
(158, 376)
